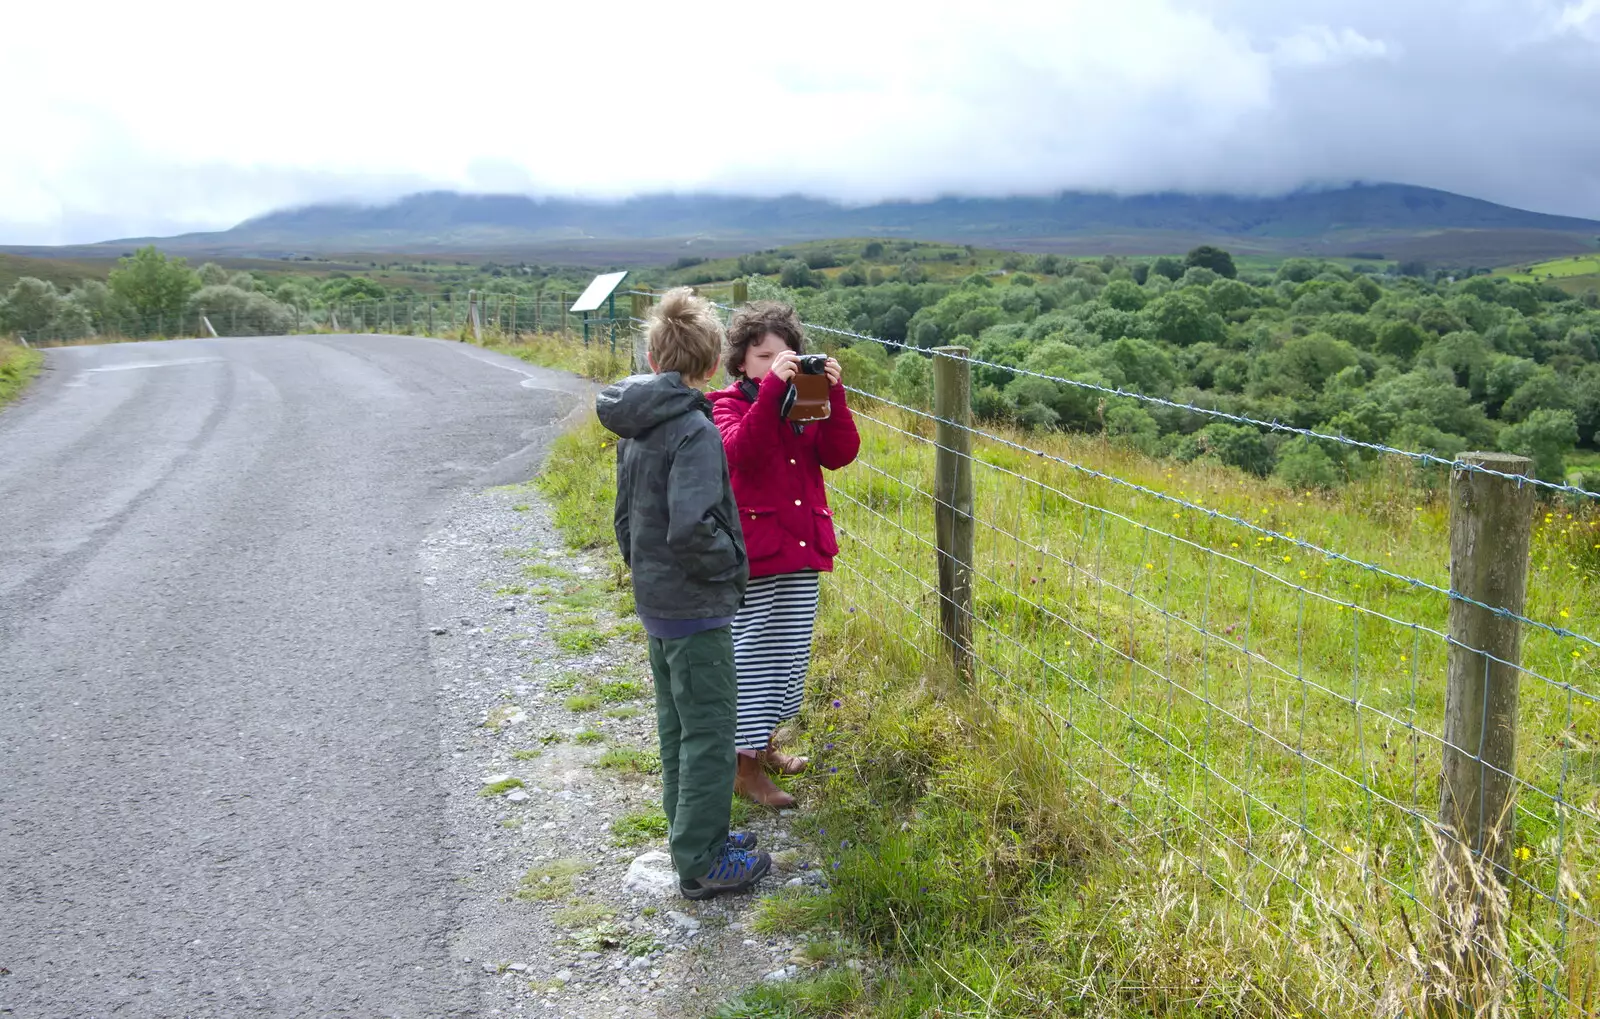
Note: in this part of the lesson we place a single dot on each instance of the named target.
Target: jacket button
(797, 502)
(791, 459)
(802, 544)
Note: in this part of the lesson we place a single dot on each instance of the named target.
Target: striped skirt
(772, 651)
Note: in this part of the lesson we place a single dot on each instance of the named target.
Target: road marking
(82, 378)
(151, 364)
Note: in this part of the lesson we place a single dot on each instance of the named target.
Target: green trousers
(697, 698)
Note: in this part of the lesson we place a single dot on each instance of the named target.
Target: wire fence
(474, 315)
(1319, 741)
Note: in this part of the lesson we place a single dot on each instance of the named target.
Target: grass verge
(18, 367)
(1124, 814)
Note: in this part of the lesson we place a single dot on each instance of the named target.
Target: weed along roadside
(19, 365)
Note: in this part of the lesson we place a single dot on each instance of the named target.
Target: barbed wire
(1274, 426)
(1216, 514)
(1373, 796)
(1257, 736)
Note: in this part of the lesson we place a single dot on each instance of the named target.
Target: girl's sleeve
(751, 432)
(838, 442)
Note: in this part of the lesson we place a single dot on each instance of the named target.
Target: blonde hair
(685, 334)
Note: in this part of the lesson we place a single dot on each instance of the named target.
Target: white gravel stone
(651, 874)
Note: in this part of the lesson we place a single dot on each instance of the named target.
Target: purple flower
(833, 771)
(838, 703)
(827, 746)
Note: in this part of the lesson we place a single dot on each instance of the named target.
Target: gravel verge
(547, 720)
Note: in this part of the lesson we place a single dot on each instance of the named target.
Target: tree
(911, 381)
(356, 288)
(1215, 259)
(873, 250)
(1124, 295)
(1182, 317)
(152, 284)
(1547, 436)
(1303, 464)
(212, 275)
(1169, 267)
(1400, 339)
(30, 307)
(1235, 445)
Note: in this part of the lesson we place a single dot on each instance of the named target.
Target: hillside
(1362, 218)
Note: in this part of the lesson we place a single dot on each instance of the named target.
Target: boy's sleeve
(696, 484)
(619, 515)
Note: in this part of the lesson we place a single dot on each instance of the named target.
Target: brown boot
(752, 782)
(779, 763)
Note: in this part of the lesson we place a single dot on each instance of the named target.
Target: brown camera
(807, 398)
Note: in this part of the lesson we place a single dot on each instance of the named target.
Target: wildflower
(1269, 539)
(1149, 566)
(1236, 544)
(838, 703)
(833, 771)
(1347, 849)
(1577, 654)
(1403, 658)
(1523, 853)
(1302, 573)
(1174, 516)
(1565, 614)
(1285, 558)
(827, 746)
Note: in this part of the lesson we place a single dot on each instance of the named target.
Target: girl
(788, 529)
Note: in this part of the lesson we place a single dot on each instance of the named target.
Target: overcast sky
(128, 119)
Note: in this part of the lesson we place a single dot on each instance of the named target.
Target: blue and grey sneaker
(744, 840)
(734, 871)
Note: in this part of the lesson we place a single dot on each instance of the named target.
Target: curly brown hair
(752, 323)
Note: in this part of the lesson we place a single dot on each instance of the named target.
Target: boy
(676, 524)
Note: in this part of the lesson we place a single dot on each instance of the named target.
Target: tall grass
(1194, 771)
(18, 366)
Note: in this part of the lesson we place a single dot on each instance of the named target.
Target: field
(1193, 771)
(1574, 274)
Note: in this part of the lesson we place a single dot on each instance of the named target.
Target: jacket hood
(641, 402)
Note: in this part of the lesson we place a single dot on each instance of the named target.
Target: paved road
(219, 789)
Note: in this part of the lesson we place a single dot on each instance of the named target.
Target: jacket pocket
(763, 535)
(827, 541)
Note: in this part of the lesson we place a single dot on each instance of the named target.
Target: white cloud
(195, 116)
(1321, 45)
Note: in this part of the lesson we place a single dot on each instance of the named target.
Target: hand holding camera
(809, 377)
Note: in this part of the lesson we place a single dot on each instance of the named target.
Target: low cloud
(857, 102)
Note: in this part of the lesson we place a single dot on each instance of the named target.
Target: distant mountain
(1330, 221)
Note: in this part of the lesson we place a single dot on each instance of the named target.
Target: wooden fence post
(562, 296)
(1491, 524)
(953, 501)
(641, 310)
(741, 292)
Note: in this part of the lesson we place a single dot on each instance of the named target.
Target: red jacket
(777, 475)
